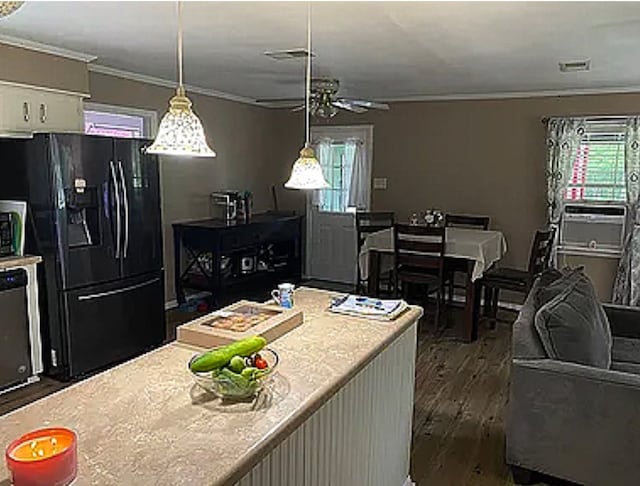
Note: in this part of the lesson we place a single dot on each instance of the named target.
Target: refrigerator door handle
(114, 179)
(118, 291)
(125, 201)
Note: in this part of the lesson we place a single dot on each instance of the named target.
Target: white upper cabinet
(26, 110)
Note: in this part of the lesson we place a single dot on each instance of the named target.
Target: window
(339, 149)
(120, 122)
(598, 169)
(337, 168)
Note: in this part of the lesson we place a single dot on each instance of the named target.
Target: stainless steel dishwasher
(15, 351)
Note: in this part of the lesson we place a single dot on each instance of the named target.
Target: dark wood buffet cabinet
(233, 260)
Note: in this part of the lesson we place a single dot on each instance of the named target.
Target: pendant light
(307, 171)
(7, 8)
(180, 131)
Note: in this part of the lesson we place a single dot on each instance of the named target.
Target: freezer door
(142, 224)
(110, 323)
(87, 200)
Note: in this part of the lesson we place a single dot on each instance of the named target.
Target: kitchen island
(338, 412)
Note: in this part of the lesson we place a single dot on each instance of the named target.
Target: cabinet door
(54, 112)
(16, 110)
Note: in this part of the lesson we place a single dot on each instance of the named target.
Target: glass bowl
(222, 386)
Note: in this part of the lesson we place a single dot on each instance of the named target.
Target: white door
(331, 236)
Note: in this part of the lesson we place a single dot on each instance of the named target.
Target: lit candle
(45, 457)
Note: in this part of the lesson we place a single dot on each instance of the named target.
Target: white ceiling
(379, 50)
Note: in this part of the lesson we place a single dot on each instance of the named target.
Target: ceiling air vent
(575, 66)
(288, 54)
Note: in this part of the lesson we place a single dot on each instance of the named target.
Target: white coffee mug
(284, 295)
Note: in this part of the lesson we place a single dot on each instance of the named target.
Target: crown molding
(47, 89)
(515, 94)
(46, 48)
(165, 83)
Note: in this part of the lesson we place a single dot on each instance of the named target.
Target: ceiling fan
(325, 102)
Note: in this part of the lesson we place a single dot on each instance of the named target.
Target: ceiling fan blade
(366, 103)
(280, 100)
(345, 105)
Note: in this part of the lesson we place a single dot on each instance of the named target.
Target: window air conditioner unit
(593, 228)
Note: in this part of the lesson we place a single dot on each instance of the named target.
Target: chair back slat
(432, 247)
(418, 261)
(540, 252)
(467, 221)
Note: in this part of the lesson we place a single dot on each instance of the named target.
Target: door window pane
(337, 165)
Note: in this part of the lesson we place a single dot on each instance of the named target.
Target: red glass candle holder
(44, 457)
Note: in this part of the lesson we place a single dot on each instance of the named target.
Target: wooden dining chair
(452, 265)
(368, 222)
(467, 221)
(515, 279)
(419, 252)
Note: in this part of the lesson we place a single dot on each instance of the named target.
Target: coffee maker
(231, 205)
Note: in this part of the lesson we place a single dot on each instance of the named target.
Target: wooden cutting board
(238, 321)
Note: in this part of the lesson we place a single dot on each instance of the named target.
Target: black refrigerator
(94, 216)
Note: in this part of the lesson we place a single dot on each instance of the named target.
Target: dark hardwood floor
(461, 392)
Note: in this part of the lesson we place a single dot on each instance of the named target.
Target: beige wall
(477, 157)
(38, 69)
(241, 134)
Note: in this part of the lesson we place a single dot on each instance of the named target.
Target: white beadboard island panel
(360, 437)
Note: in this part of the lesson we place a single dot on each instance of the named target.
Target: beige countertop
(18, 261)
(145, 422)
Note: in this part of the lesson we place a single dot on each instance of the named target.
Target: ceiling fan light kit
(180, 132)
(307, 171)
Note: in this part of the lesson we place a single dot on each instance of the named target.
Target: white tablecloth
(483, 247)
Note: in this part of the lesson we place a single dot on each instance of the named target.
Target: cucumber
(217, 358)
(236, 385)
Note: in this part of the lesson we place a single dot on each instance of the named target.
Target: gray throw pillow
(574, 327)
(552, 282)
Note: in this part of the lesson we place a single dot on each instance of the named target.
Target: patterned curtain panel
(626, 290)
(359, 177)
(563, 139)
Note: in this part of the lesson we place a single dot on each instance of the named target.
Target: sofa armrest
(574, 422)
(624, 320)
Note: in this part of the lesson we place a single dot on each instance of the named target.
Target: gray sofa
(572, 421)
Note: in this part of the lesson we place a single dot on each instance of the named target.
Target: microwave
(6, 234)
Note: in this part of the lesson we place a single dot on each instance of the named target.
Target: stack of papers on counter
(369, 307)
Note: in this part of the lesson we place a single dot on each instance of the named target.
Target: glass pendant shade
(180, 131)
(7, 8)
(306, 172)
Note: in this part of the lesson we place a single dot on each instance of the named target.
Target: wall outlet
(380, 183)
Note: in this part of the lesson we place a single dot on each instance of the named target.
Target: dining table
(469, 250)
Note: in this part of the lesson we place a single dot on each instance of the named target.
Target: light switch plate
(380, 183)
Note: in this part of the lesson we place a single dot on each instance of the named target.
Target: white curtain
(563, 139)
(626, 290)
(325, 156)
(358, 182)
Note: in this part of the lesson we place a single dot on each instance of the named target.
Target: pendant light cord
(308, 77)
(179, 43)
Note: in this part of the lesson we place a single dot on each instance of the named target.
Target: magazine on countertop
(369, 307)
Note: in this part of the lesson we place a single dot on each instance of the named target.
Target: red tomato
(261, 363)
